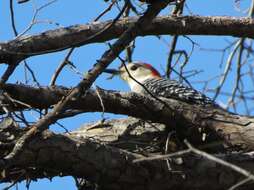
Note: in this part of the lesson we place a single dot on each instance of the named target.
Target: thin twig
(220, 161)
(61, 66)
(226, 70)
(163, 157)
(190, 149)
(13, 19)
(105, 11)
(178, 10)
(16, 101)
(33, 21)
(97, 90)
(170, 56)
(130, 49)
(31, 72)
(242, 182)
(238, 75)
(15, 181)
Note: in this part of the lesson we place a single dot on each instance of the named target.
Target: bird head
(139, 71)
(135, 71)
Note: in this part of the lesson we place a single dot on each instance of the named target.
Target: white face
(138, 72)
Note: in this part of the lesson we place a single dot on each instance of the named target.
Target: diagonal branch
(86, 83)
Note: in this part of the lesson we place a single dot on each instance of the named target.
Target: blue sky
(150, 49)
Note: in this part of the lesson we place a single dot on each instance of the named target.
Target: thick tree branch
(236, 130)
(104, 154)
(78, 35)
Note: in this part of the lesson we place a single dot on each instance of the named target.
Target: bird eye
(133, 67)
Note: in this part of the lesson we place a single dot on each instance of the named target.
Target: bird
(143, 78)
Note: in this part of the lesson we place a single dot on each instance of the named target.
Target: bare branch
(236, 130)
(13, 19)
(61, 66)
(78, 35)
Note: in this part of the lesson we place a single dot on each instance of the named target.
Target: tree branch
(104, 154)
(78, 35)
(236, 130)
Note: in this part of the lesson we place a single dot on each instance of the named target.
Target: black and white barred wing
(173, 89)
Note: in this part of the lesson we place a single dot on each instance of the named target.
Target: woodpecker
(143, 77)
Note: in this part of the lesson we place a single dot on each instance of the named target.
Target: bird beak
(118, 71)
(112, 71)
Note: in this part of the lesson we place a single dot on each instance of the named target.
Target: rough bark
(237, 131)
(103, 155)
(78, 35)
